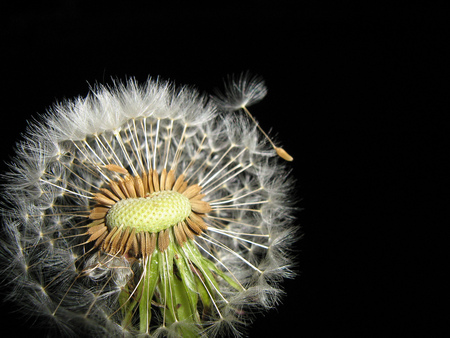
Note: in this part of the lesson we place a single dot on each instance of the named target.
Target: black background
(354, 95)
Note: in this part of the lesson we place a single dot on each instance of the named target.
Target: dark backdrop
(353, 95)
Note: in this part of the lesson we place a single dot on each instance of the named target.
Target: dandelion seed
(147, 211)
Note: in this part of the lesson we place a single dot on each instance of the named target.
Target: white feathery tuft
(241, 91)
(210, 284)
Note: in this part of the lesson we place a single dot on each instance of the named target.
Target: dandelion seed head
(148, 210)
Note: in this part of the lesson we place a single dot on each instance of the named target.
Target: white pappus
(147, 210)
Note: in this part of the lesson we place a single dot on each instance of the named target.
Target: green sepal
(147, 289)
(222, 274)
(188, 281)
(201, 263)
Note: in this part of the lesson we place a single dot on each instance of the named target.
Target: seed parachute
(148, 210)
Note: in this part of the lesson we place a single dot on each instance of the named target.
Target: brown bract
(127, 241)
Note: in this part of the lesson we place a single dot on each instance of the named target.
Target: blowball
(146, 210)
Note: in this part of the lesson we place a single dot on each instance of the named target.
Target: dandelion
(148, 211)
